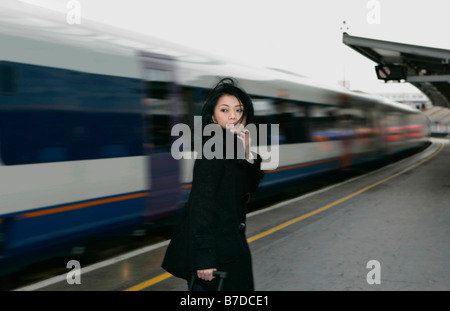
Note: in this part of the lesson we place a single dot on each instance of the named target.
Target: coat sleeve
(207, 176)
(254, 172)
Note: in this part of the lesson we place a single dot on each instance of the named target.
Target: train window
(364, 123)
(323, 122)
(292, 122)
(51, 136)
(158, 106)
(7, 79)
(265, 113)
(33, 137)
(158, 84)
(354, 122)
(70, 116)
(193, 100)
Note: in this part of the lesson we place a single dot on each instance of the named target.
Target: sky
(302, 36)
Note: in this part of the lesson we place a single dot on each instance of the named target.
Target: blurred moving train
(86, 113)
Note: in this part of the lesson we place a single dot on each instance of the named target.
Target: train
(86, 119)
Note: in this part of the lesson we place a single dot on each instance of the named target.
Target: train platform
(387, 230)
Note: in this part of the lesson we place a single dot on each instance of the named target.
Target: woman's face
(228, 111)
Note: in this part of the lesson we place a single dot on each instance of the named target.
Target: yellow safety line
(167, 275)
(150, 282)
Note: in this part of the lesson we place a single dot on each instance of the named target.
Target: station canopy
(426, 68)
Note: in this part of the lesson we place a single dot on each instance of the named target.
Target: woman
(211, 235)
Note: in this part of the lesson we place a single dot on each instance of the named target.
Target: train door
(160, 112)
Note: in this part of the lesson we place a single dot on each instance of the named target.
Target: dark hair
(227, 86)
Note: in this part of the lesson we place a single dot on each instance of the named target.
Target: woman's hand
(206, 274)
(244, 136)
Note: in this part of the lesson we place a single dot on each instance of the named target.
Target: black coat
(210, 234)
